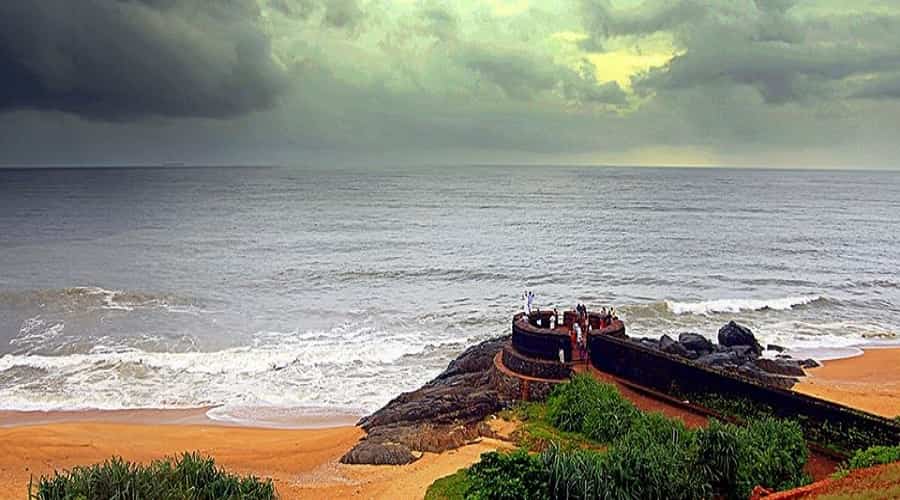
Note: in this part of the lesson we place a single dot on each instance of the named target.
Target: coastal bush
(452, 487)
(876, 455)
(537, 432)
(610, 418)
(655, 459)
(595, 409)
(718, 456)
(189, 477)
(649, 454)
(574, 474)
(772, 453)
(568, 404)
(507, 476)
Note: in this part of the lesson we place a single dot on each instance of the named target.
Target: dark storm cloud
(880, 88)
(343, 14)
(759, 44)
(780, 73)
(523, 76)
(126, 59)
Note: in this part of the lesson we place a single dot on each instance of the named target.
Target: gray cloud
(760, 44)
(449, 80)
(523, 76)
(125, 59)
(886, 87)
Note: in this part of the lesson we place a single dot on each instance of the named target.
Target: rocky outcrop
(666, 344)
(734, 334)
(738, 352)
(697, 343)
(445, 413)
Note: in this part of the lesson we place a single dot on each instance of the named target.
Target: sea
(272, 293)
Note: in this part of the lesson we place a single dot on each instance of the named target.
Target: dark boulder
(651, 343)
(774, 347)
(744, 352)
(696, 342)
(734, 334)
(787, 367)
(665, 341)
(667, 345)
(443, 414)
(751, 371)
(810, 363)
(719, 359)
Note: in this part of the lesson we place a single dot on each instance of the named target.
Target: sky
(765, 83)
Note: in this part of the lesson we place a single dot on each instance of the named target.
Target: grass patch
(876, 455)
(870, 457)
(647, 455)
(507, 476)
(188, 477)
(835, 436)
(452, 487)
(537, 431)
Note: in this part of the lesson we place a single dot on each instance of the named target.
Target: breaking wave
(94, 297)
(354, 367)
(737, 305)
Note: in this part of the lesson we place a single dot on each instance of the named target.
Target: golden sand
(870, 382)
(302, 463)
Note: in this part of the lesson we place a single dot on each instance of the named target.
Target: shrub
(771, 453)
(595, 409)
(718, 449)
(452, 487)
(574, 473)
(189, 477)
(507, 476)
(569, 403)
(876, 455)
(655, 460)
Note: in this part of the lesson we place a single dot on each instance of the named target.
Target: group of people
(528, 299)
(579, 328)
(583, 324)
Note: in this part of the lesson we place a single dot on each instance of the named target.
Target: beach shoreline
(180, 416)
(303, 461)
(869, 382)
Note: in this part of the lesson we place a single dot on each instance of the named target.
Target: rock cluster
(443, 414)
(738, 351)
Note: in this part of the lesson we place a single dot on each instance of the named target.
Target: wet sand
(870, 382)
(187, 416)
(303, 463)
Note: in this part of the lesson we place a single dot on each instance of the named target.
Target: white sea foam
(353, 367)
(36, 331)
(737, 305)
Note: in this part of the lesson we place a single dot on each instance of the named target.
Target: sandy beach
(869, 382)
(302, 462)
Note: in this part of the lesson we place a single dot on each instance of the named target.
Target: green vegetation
(876, 455)
(452, 487)
(738, 407)
(648, 455)
(507, 476)
(834, 435)
(537, 432)
(189, 477)
(595, 410)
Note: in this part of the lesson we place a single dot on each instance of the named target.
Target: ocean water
(272, 292)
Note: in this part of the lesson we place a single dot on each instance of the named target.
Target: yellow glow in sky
(620, 66)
